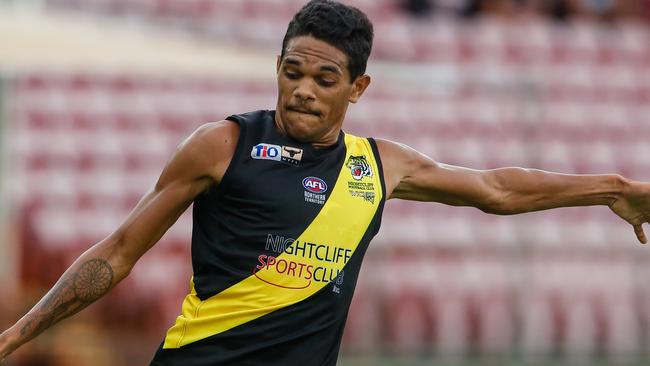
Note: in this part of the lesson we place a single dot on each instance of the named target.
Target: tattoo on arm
(72, 293)
(92, 280)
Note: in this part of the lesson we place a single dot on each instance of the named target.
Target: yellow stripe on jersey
(338, 229)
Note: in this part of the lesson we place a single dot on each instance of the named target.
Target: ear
(359, 85)
(278, 62)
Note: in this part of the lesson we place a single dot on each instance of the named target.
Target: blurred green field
(352, 360)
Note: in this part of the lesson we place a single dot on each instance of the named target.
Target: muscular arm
(199, 162)
(411, 175)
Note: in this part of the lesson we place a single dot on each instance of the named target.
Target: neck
(328, 140)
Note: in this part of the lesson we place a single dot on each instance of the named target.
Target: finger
(638, 230)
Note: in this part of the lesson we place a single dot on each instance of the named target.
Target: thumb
(638, 230)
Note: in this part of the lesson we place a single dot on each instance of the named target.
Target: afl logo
(314, 185)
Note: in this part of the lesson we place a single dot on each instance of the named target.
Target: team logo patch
(314, 185)
(286, 154)
(291, 155)
(359, 167)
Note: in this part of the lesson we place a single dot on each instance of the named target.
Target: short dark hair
(344, 27)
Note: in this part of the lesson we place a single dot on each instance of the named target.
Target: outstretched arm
(411, 175)
(198, 162)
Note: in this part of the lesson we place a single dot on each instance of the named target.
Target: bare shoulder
(205, 154)
(218, 136)
(401, 157)
(399, 161)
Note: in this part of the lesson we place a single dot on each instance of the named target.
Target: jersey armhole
(236, 154)
(375, 152)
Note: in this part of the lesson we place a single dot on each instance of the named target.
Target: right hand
(633, 206)
(5, 346)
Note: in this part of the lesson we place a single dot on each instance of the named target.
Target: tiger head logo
(359, 167)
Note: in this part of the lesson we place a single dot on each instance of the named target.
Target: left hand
(633, 206)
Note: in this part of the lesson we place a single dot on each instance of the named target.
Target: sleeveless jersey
(276, 251)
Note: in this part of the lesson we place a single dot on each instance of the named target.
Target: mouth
(302, 110)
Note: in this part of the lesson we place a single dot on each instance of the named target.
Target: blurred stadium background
(96, 94)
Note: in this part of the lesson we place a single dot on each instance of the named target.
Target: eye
(291, 75)
(326, 82)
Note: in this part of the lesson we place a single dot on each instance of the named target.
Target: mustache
(301, 109)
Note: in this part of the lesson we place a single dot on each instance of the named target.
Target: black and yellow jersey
(276, 251)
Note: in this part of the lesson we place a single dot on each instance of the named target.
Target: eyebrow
(330, 68)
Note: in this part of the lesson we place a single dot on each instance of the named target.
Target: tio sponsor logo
(314, 185)
(286, 154)
(266, 152)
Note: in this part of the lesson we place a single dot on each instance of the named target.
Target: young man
(285, 204)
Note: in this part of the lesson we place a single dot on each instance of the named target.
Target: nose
(304, 90)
